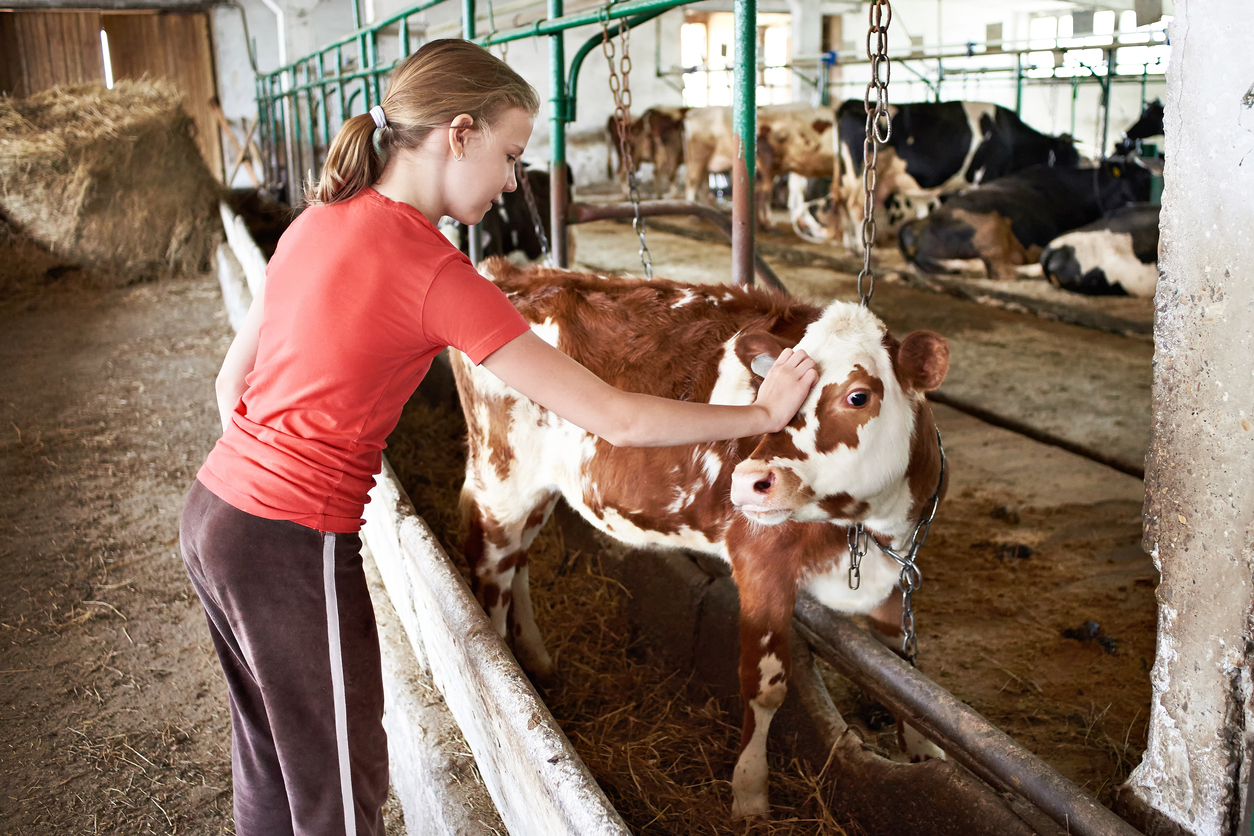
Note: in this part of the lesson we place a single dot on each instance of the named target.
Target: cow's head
(845, 457)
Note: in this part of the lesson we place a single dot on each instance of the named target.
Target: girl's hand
(786, 387)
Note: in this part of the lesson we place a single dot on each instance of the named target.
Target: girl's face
(487, 165)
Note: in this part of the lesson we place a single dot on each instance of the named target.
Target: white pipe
(281, 20)
(293, 177)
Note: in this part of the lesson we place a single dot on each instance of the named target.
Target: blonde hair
(430, 88)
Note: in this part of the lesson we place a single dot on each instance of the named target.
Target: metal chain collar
(620, 87)
(879, 129)
(911, 578)
(520, 174)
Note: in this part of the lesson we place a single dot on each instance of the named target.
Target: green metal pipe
(558, 117)
(555, 24)
(372, 43)
(1019, 84)
(354, 36)
(744, 138)
(474, 237)
(576, 64)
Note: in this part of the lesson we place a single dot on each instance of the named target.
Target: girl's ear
(458, 132)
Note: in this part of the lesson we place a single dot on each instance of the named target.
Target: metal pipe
(559, 195)
(474, 235)
(580, 213)
(744, 139)
(1110, 73)
(964, 735)
(576, 64)
(561, 23)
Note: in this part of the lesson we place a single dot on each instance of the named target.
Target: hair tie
(376, 113)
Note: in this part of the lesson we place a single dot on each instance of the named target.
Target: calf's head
(846, 454)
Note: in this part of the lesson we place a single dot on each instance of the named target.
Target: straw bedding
(110, 179)
(660, 747)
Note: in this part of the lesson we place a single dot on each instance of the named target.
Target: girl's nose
(512, 182)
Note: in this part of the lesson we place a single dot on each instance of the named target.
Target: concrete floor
(1088, 388)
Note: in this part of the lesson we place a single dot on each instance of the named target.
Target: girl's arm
(538, 370)
(240, 358)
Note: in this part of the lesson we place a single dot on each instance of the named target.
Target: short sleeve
(468, 312)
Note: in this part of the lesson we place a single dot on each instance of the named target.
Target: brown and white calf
(863, 448)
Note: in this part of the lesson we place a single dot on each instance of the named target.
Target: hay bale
(109, 178)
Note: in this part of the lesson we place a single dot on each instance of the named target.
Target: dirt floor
(114, 714)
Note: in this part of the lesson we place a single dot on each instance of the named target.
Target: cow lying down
(1005, 223)
(1116, 256)
(863, 448)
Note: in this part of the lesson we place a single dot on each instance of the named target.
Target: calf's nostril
(764, 484)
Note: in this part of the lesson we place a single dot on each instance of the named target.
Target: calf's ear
(922, 361)
(496, 267)
(757, 350)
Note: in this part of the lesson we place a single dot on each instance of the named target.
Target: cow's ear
(757, 350)
(922, 361)
(496, 267)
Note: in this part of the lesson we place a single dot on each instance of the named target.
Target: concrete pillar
(1199, 482)
(807, 39)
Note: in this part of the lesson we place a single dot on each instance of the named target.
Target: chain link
(910, 578)
(537, 220)
(620, 87)
(879, 129)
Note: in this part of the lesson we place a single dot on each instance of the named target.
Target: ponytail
(352, 164)
(430, 88)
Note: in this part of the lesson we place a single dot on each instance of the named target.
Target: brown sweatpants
(296, 720)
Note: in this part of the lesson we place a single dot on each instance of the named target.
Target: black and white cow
(942, 147)
(1149, 125)
(951, 145)
(1116, 256)
(1005, 223)
(509, 225)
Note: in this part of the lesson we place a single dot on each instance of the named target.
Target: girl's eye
(512, 159)
(858, 398)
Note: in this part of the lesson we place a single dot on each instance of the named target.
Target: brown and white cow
(791, 139)
(862, 449)
(657, 137)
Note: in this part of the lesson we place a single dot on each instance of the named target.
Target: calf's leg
(885, 622)
(766, 604)
(496, 549)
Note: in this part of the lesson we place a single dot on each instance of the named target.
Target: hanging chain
(492, 26)
(537, 220)
(879, 129)
(910, 578)
(620, 87)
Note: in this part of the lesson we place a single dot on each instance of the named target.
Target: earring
(459, 159)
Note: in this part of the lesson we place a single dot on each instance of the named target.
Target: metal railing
(301, 106)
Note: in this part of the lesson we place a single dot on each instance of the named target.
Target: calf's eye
(858, 398)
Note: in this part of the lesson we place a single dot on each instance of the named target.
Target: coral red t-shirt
(359, 298)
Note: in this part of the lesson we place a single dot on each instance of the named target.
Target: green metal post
(1110, 74)
(1018, 84)
(744, 138)
(559, 194)
(475, 233)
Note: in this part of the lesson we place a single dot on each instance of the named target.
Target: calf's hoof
(749, 806)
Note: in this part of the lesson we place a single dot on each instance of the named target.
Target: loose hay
(109, 178)
(660, 747)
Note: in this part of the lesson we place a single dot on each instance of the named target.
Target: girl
(360, 295)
